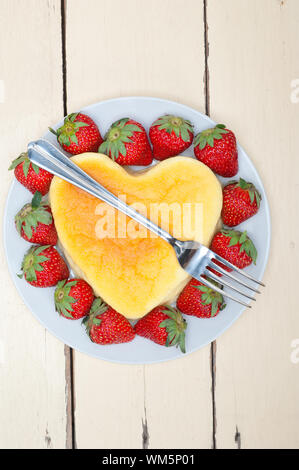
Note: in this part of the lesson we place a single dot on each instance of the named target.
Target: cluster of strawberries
(126, 142)
(43, 265)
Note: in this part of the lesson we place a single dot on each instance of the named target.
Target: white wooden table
(238, 61)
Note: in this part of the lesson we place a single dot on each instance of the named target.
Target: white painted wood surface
(157, 48)
(32, 361)
(251, 70)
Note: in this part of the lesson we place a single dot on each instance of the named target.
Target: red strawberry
(164, 325)
(217, 148)
(43, 266)
(73, 298)
(78, 134)
(241, 200)
(199, 300)
(126, 143)
(170, 136)
(30, 175)
(235, 247)
(35, 223)
(104, 325)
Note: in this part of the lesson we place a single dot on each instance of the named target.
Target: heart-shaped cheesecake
(130, 268)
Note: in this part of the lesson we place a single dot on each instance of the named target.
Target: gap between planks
(213, 349)
(68, 352)
(207, 111)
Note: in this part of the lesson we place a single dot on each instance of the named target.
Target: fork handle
(50, 158)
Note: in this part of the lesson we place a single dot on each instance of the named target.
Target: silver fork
(195, 258)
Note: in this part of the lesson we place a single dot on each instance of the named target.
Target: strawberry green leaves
(36, 200)
(98, 308)
(175, 326)
(254, 194)
(66, 134)
(32, 262)
(119, 134)
(211, 297)
(62, 298)
(23, 158)
(252, 191)
(246, 244)
(32, 214)
(175, 124)
(207, 136)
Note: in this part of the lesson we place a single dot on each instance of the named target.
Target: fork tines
(218, 269)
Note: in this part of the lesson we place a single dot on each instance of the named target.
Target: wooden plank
(179, 403)
(251, 69)
(153, 48)
(32, 366)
